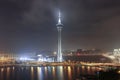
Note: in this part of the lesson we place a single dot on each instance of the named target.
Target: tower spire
(59, 18)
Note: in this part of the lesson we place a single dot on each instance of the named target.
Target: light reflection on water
(78, 70)
(69, 73)
(8, 73)
(32, 73)
(60, 73)
(45, 73)
(1, 73)
(89, 69)
(40, 74)
(83, 69)
(53, 72)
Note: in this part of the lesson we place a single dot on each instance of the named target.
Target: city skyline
(27, 26)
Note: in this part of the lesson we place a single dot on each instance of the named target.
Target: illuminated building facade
(116, 54)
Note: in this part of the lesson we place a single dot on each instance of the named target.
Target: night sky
(30, 25)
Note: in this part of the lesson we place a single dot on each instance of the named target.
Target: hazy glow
(59, 20)
(23, 58)
(112, 57)
(26, 59)
(119, 72)
(39, 55)
(40, 59)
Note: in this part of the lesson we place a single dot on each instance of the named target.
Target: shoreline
(61, 64)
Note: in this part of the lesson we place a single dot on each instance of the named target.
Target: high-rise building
(59, 28)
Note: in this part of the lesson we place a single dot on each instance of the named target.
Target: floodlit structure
(59, 28)
(116, 54)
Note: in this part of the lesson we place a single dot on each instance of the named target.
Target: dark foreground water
(45, 73)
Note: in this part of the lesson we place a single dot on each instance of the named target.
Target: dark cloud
(31, 24)
(11, 11)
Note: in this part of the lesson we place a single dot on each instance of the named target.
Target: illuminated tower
(59, 28)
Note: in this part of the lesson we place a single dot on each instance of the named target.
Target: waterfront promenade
(62, 64)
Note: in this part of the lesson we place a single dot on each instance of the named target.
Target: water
(45, 73)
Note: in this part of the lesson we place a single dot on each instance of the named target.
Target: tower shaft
(59, 55)
(59, 28)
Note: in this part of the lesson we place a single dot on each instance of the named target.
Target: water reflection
(53, 73)
(69, 73)
(93, 69)
(83, 69)
(78, 70)
(1, 73)
(88, 69)
(8, 73)
(32, 73)
(45, 73)
(60, 73)
(40, 74)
